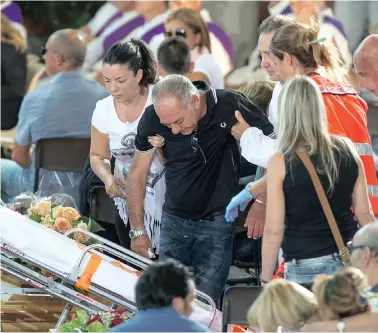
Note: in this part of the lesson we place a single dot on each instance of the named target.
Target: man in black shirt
(202, 162)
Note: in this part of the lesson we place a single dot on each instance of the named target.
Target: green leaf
(35, 217)
(82, 316)
(97, 327)
(93, 226)
(71, 325)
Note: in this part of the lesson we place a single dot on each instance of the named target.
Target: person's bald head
(65, 51)
(365, 61)
(365, 251)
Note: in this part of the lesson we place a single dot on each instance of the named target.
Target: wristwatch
(136, 233)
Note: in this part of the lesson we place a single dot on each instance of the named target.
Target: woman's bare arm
(275, 215)
(360, 198)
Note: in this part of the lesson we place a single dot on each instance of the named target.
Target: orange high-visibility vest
(346, 113)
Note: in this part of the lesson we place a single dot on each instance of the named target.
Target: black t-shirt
(196, 189)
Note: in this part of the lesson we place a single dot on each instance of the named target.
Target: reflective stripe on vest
(365, 149)
(373, 190)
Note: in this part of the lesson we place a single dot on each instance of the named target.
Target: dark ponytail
(136, 55)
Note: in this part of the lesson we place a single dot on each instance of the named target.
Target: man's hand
(255, 220)
(239, 128)
(142, 246)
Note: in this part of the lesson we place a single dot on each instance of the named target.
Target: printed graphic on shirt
(128, 149)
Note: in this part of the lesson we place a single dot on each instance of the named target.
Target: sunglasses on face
(178, 33)
(352, 248)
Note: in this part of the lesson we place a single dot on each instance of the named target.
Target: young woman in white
(189, 25)
(129, 71)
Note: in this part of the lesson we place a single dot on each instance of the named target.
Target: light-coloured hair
(303, 127)
(273, 23)
(195, 22)
(282, 303)
(12, 36)
(175, 85)
(260, 93)
(298, 40)
(341, 295)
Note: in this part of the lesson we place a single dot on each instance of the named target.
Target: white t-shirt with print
(121, 142)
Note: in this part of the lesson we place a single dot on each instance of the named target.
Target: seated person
(62, 108)
(282, 304)
(13, 12)
(221, 43)
(260, 93)
(13, 73)
(114, 31)
(105, 15)
(164, 297)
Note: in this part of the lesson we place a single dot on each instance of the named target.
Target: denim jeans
(14, 179)
(203, 245)
(303, 271)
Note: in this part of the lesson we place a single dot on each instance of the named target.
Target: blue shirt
(373, 297)
(62, 108)
(159, 320)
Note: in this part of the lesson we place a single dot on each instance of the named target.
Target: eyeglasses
(359, 247)
(178, 33)
(197, 150)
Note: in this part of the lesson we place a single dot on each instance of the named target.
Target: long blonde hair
(341, 295)
(11, 35)
(300, 41)
(282, 303)
(303, 127)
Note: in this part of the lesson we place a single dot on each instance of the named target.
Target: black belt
(211, 216)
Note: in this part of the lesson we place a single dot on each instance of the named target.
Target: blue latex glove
(239, 201)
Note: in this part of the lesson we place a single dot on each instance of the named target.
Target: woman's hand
(240, 127)
(156, 141)
(114, 187)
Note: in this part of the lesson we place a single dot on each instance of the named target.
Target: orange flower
(57, 212)
(62, 225)
(80, 237)
(43, 208)
(71, 214)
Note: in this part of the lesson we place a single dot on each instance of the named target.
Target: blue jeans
(303, 271)
(203, 245)
(14, 179)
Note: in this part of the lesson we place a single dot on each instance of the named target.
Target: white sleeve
(256, 147)
(106, 11)
(218, 50)
(99, 117)
(207, 64)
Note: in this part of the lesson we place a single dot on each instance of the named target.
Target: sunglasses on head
(177, 33)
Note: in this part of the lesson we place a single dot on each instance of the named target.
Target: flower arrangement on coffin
(62, 219)
(51, 213)
(99, 322)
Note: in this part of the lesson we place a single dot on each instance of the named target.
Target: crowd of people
(200, 173)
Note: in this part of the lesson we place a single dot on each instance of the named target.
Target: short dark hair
(174, 56)
(160, 283)
(136, 55)
(273, 23)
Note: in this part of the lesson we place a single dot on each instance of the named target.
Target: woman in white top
(129, 71)
(189, 25)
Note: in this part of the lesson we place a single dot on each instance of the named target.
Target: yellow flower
(57, 212)
(62, 225)
(47, 220)
(71, 214)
